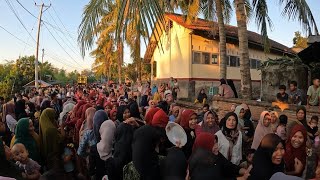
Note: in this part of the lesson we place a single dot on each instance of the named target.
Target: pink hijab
(89, 117)
(261, 131)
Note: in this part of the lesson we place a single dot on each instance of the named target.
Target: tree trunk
(138, 56)
(222, 42)
(246, 85)
(120, 58)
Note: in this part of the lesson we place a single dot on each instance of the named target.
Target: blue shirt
(172, 118)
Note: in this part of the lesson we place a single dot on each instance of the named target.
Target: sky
(64, 16)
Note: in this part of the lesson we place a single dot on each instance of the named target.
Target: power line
(29, 37)
(37, 17)
(63, 63)
(53, 58)
(24, 42)
(55, 27)
(61, 46)
(63, 40)
(17, 16)
(14, 36)
(54, 10)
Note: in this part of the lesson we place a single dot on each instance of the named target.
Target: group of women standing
(90, 141)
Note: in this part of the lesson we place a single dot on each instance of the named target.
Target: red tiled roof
(231, 32)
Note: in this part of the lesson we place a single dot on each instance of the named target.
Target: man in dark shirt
(282, 96)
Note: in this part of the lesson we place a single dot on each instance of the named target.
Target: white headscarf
(66, 109)
(240, 121)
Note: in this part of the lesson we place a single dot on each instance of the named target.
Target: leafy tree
(299, 41)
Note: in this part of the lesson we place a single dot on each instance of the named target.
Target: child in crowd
(30, 167)
(282, 96)
(313, 127)
(281, 129)
(202, 111)
(68, 157)
(175, 114)
(36, 119)
(249, 159)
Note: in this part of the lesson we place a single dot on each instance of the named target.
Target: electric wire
(61, 45)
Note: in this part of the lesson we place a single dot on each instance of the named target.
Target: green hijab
(23, 136)
(50, 139)
(8, 169)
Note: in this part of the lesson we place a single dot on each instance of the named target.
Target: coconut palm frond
(300, 10)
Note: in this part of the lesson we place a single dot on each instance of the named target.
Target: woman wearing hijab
(268, 159)
(86, 137)
(274, 120)
(7, 168)
(120, 113)
(301, 113)
(230, 139)
(225, 90)
(105, 146)
(25, 135)
(9, 117)
(144, 155)
(20, 109)
(207, 163)
(66, 109)
(113, 115)
(263, 128)
(76, 113)
(123, 140)
(80, 122)
(189, 124)
(296, 151)
(51, 140)
(246, 127)
(202, 97)
(209, 123)
(149, 115)
(96, 165)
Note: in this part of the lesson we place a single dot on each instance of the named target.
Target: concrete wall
(173, 59)
(275, 75)
(222, 106)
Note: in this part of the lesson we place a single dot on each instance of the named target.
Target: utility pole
(36, 70)
(40, 71)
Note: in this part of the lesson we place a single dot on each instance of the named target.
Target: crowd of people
(117, 132)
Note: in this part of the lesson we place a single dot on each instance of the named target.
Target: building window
(214, 59)
(233, 61)
(196, 59)
(258, 64)
(205, 58)
(255, 63)
(238, 61)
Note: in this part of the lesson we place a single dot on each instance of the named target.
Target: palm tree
(98, 21)
(246, 85)
(221, 10)
(292, 8)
